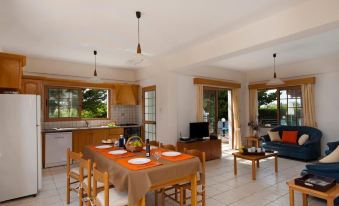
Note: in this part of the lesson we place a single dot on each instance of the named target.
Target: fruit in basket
(136, 144)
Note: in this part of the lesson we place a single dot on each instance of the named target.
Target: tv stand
(211, 147)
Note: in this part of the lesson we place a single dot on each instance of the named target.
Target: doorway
(218, 112)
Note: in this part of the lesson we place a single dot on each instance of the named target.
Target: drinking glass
(157, 154)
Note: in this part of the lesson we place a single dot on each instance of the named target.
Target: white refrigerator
(20, 146)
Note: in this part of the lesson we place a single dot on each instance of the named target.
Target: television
(199, 130)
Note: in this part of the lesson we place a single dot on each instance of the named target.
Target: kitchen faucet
(87, 123)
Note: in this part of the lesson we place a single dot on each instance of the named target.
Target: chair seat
(116, 198)
(99, 184)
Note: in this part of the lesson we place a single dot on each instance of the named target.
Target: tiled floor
(223, 188)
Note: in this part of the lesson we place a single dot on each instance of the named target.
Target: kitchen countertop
(68, 129)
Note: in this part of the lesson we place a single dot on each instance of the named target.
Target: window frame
(144, 122)
(278, 115)
(46, 106)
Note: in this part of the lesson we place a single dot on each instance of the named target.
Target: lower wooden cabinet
(212, 148)
(99, 135)
(82, 138)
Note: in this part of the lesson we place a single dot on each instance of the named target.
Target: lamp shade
(275, 81)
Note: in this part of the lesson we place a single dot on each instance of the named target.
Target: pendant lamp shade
(275, 81)
(95, 78)
(139, 58)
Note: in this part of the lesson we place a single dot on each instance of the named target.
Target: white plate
(117, 152)
(152, 147)
(139, 161)
(103, 146)
(171, 154)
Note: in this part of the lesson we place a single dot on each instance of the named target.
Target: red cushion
(290, 137)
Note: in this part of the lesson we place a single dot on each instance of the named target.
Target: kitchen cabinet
(82, 138)
(114, 133)
(125, 94)
(99, 135)
(11, 66)
(31, 86)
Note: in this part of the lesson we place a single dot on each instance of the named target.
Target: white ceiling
(71, 29)
(287, 53)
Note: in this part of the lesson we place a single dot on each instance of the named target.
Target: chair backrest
(154, 143)
(102, 177)
(72, 156)
(168, 147)
(86, 165)
(202, 158)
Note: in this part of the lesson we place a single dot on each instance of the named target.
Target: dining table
(138, 180)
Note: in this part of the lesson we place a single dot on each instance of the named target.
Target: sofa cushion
(333, 157)
(290, 137)
(303, 138)
(274, 136)
(283, 146)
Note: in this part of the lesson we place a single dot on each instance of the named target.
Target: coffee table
(255, 161)
(329, 195)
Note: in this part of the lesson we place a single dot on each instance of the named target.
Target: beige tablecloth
(138, 183)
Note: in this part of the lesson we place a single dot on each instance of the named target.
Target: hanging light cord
(95, 63)
(275, 74)
(138, 32)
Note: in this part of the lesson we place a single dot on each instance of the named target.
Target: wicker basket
(132, 148)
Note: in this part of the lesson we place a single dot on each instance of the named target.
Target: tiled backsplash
(121, 114)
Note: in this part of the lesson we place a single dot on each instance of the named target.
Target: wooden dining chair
(107, 197)
(168, 147)
(72, 173)
(85, 167)
(154, 143)
(180, 189)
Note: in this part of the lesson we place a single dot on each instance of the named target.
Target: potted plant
(254, 126)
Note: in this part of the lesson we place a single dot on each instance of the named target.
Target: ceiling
(287, 53)
(71, 29)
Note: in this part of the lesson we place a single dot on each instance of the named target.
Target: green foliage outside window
(94, 103)
(77, 103)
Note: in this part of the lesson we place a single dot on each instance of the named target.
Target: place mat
(124, 162)
(103, 150)
(177, 158)
(111, 156)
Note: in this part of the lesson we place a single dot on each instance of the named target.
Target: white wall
(326, 71)
(176, 98)
(73, 70)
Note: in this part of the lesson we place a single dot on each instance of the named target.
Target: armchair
(325, 169)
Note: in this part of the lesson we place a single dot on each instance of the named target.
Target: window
(282, 106)
(149, 112)
(76, 103)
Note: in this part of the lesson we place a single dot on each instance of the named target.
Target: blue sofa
(311, 150)
(325, 169)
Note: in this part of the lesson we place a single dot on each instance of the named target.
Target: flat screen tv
(198, 130)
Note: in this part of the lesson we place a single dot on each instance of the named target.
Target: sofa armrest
(311, 142)
(324, 167)
(265, 138)
(332, 146)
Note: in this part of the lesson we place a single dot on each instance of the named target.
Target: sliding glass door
(217, 111)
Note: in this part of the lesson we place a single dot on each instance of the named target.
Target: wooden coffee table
(329, 195)
(255, 161)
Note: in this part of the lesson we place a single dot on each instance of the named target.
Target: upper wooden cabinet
(31, 86)
(125, 94)
(11, 66)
